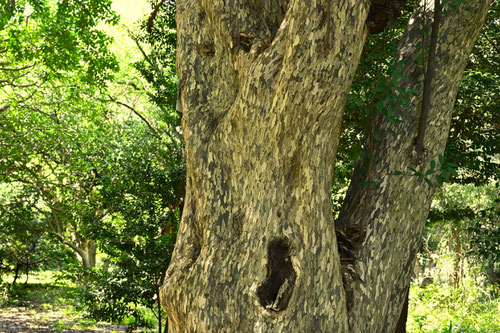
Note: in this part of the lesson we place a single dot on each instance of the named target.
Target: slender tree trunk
(262, 90)
(158, 303)
(16, 273)
(456, 245)
(89, 252)
(86, 249)
(388, 220)
(27, 271)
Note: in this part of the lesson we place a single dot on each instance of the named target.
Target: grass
(44, 289)
(47, 292)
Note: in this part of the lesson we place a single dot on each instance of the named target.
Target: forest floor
(45, 305)
(38, 319)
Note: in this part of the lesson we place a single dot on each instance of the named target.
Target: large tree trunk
(388, 220)
(262, 90)
(262, 95)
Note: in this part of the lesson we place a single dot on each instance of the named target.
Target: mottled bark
(262, 90)
(388, 220)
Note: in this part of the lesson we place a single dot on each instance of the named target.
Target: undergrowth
(441, 308)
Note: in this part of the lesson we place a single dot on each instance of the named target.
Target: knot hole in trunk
(274, 294)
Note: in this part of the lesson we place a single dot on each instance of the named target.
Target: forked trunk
(262, 90)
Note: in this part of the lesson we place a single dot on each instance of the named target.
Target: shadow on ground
(37, 320)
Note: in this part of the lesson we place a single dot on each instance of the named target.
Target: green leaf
(445, 175)
(380, 106)
(441, 159)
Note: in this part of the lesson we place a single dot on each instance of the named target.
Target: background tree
(49, 79)
(143, 196)
(101, 152)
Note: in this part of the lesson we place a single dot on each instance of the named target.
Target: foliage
(440, 308)
(144, 194)
(158, 64)
(142, 188)
(51, 119)
(473, 143)
(469, 216)
(100, 158)
(32, 37)
(461, 298)
(24, 246)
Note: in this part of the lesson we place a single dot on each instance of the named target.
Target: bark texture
(262, 90)
(388, 220)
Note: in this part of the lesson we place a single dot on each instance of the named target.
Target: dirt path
(43, 320)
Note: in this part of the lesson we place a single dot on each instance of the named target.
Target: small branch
(5, 83)
(139, 46)
(146, 57)
(31, 108)
(16, 69)
(491, 42)
(4, 108)
(138, 114)
(65, 241)
(151, 19)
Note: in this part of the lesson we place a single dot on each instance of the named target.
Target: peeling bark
(262, 90)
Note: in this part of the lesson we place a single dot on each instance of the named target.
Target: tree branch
(491, 42)
(65, 241)
(16, 69)
(151, 19)
(138, 114)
